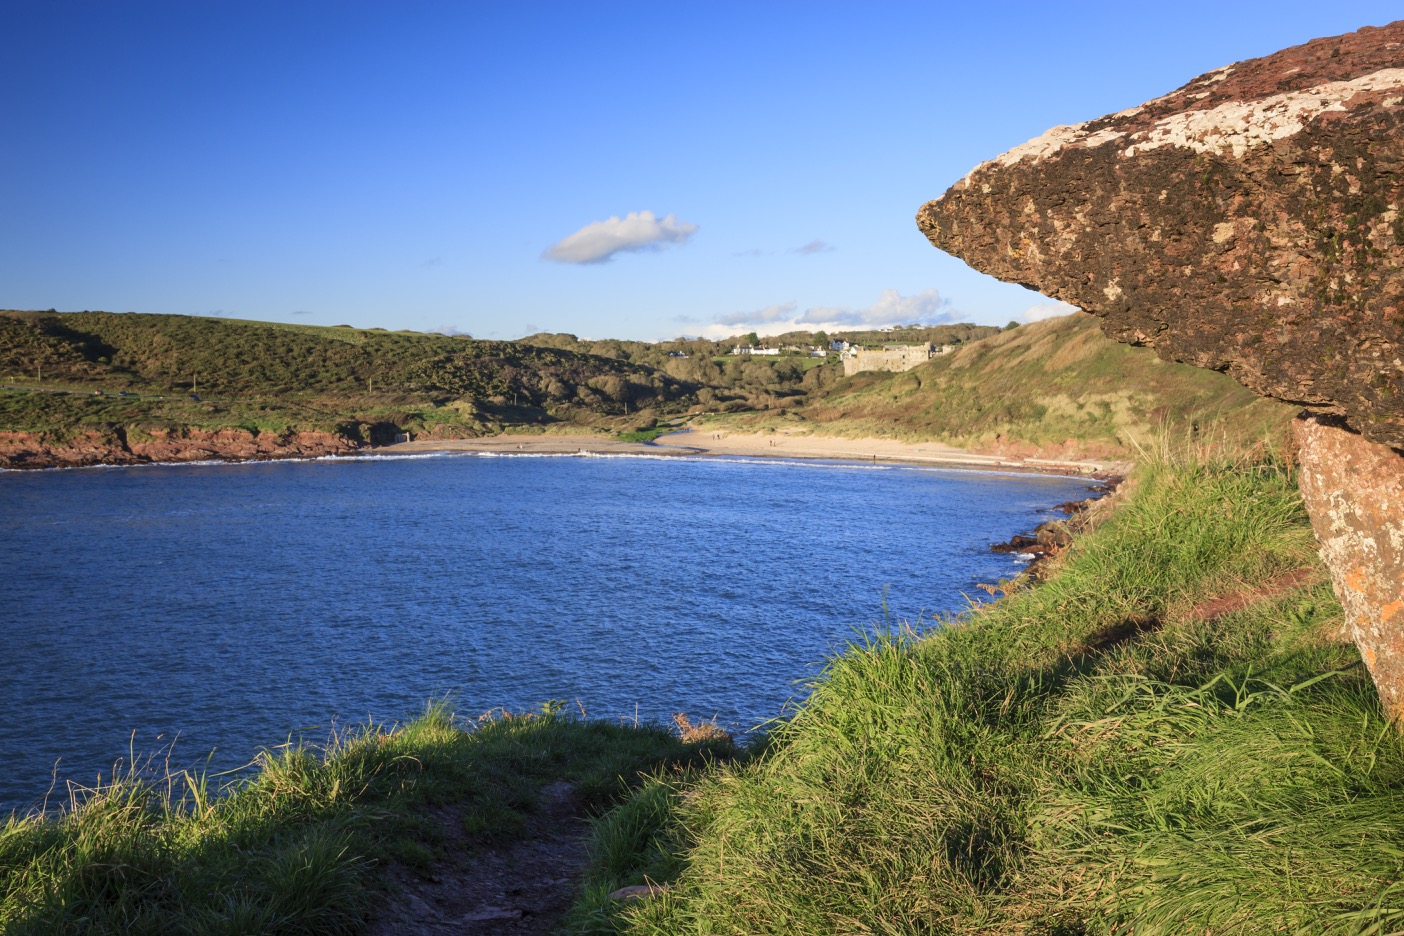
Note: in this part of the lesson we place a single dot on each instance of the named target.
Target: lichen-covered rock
(1247, 222)
(1354, 491)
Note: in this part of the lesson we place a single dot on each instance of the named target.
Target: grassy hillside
(1167, 736)
(734, 384)
(1056, 386)
(302, 376)
(303, 845)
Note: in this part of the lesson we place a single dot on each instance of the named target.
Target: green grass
(294, 849)
(645, 435)
(1089, 755)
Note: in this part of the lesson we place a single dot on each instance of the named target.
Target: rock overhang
(1248, 222)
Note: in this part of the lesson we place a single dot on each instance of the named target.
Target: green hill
(263, 376)
(1056, 387)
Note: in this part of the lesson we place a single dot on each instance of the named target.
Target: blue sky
(631, 170)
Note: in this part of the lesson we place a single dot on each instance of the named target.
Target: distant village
(856, 358)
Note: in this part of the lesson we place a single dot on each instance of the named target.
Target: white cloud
(814, 247)
(599, 241)
(891, 308)
(1048, 310)
(784, 312)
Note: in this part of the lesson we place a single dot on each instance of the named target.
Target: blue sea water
(224, 608)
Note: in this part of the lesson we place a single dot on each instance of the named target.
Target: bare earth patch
(525, 886)
(1217, 607)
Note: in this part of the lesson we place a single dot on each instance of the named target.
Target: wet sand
(707, 442)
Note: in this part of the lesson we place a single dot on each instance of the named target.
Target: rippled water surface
(235, 606)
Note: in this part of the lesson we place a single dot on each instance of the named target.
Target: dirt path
(521, 887)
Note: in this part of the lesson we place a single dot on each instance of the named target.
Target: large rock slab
(1248, 222)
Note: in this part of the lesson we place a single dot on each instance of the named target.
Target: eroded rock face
(1354, 491)
(1247, 222)
(116, 447)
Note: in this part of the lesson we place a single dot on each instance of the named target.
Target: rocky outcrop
(1249, 222)
(115, 446)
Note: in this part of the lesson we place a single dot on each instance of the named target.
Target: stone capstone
(1249, 222)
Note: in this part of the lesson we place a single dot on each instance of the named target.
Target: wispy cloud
(599, 241)
(814, 247)
(300, 312)
(892, 308)
(784, 312)
(431, 263)
(1048, 310)
(928, 307)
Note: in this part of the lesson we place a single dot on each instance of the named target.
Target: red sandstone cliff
(114, 447)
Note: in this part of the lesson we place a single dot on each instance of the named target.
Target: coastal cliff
(88, 388)
(1249, 222)
(113, 446)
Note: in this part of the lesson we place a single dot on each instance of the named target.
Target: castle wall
(892, 360)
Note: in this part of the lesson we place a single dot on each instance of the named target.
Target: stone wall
(891, 360)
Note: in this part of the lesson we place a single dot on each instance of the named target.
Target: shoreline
(721, 443)
(685, 443)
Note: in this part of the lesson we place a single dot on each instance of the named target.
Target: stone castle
(893, 360)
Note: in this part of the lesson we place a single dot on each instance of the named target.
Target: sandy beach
(707, 442)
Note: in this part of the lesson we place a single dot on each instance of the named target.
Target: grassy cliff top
(1168, 735)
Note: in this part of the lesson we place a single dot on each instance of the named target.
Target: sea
(190, 616)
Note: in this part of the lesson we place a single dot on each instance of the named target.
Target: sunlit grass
(293, 848)
(1091, 755)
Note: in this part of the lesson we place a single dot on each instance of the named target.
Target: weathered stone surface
(1248, 222)
(1354, 491)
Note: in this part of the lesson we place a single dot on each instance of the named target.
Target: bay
(222, 608)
